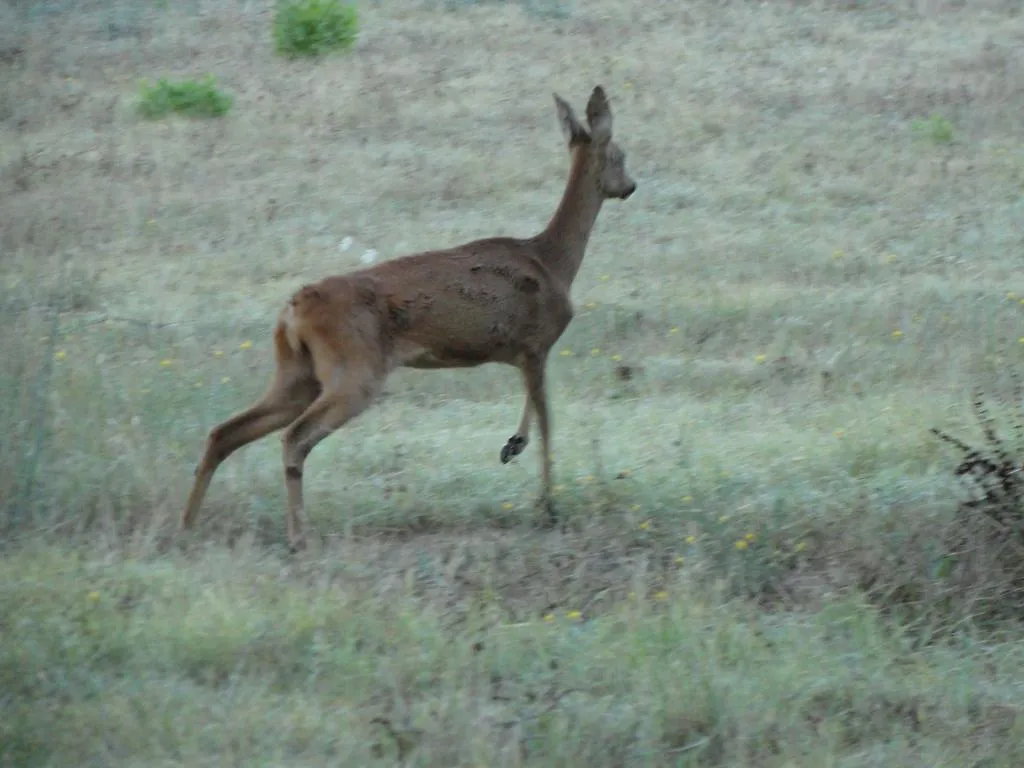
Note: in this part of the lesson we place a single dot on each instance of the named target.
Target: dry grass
(822, 259)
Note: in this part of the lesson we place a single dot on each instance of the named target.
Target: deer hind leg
(351, 393)
(518, 442)
(291, 392)
(534, 374)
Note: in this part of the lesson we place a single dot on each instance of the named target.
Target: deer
(495, 300)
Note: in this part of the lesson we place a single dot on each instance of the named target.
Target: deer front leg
(518, 442)
(533, 371)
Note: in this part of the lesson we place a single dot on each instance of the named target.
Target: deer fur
(497, 300)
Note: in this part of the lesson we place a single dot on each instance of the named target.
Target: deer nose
(629, 191)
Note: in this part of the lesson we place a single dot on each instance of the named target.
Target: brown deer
(499, 300)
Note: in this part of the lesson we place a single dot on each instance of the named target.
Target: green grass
(314, 27)
(180, 659)
(762, 562)
(193, 98)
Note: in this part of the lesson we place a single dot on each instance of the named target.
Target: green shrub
(936, 128)
(194, 98)
(314, 27)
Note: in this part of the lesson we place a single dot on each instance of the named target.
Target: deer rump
(488, 301)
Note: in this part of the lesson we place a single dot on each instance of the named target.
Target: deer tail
(291, 317)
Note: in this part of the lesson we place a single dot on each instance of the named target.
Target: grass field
(757, 567)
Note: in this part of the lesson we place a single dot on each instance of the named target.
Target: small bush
(936, 128)
(314, 27)
(194, 98)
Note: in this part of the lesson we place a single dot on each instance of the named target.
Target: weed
(936, 128)
(993, 472)
(194, 98)
(314, 27)
(990, 522)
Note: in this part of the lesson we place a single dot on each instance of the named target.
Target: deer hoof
(297, 545)
(515, 445)
(548, 505)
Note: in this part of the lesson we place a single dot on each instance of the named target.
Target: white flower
(369, 256)
(345, 244)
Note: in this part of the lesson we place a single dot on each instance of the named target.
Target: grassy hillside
(762, 562)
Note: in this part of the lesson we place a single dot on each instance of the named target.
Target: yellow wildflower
(573, 615)
(691, 539)
(60, 354)
(742, 544)
(245, 345)
(662, 595)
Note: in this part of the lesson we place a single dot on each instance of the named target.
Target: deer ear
(599, 116)
(572, 129)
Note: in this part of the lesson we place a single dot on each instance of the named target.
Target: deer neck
(569, 229)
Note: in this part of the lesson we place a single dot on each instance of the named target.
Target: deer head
(604, 158)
